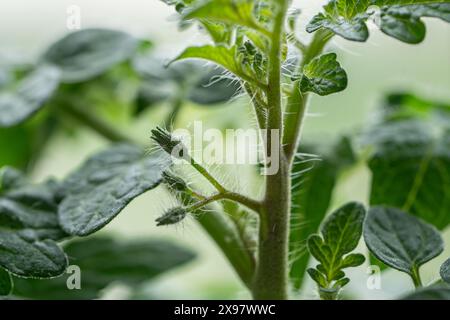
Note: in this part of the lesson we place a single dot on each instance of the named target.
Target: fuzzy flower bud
(172, 216)
(172, 146)
(175, 183)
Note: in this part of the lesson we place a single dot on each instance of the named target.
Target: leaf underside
(29, 96)
(28, 230)
(103, 261)
(105, 184)
(85, 54)
(445, 271)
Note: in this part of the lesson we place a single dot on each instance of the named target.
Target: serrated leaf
(221, 55)
(28, 230)
(341, 233)
(6, 284)
(28, 96)
(343, 17)
(397, 18)
(85, 54)
(234, 12)
(105, 184)
(445, 271)
(436, 292)
(323, 75)
(354, 29)
(400, 240)
(103, 261)
(313, 182)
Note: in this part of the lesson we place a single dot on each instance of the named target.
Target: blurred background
(380, 66)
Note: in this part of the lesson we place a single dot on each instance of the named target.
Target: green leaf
(103, 261)
(397, 18)
(28, 96)
(404, 23)
(353, 260)
(187, 80)
(400, 240)
(349, 26)
(6, 283)
(313, 182)
(436, 292)
(411, 168)
(105, 184)
(85, 54)
(214, 88)
(343, 229)
(28, 228)
(340, 235)
(219, 32)
(318, 277)
(221, 55)
(233, 12)
(404, 106)
(323, 75)
(445, 271)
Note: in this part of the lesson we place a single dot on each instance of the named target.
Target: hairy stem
(227, 195)
(271, 278)
(258, 106)
(202, 170)
(297, 103)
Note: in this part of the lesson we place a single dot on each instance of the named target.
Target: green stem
(297, 103)
(227, 237)
(198, 205)
(202, 170)
(271, 278)
(415, 275)
(98, 125)
(258, 105)
(328, 294)
(227, 195)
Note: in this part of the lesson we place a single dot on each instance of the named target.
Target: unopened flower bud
(175, 183)
(172, 216)
(171, 145)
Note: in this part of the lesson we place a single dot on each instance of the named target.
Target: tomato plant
(258, 53)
